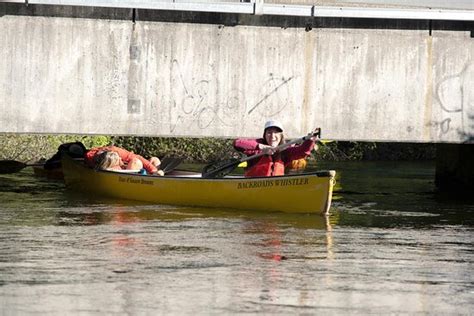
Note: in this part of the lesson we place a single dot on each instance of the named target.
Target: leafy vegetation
(339, 151)
(29, 148)
(191, 149)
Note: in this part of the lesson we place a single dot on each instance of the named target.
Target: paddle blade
(219, 169)
(170, 163)
(11, 166)
(243, 164)
(325, 141)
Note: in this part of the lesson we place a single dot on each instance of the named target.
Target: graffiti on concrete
(196, 102)
(273, 87)
(455, 95)
(443, 126)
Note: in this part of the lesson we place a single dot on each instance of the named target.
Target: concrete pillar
(455, 168)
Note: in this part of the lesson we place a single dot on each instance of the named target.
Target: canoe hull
(304, 193)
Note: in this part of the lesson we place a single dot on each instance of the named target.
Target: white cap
(273, 123)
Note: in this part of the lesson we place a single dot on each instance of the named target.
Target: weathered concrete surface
(94, 76)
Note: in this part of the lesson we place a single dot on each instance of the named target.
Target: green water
(390, 246)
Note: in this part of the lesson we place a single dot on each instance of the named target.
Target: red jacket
(270, 165)
(125, 155)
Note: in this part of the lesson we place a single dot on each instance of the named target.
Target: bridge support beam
(455, 168)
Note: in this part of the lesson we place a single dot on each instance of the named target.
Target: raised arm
(248, 146)
(300, 151)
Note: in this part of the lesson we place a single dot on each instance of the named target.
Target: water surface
(391, 245)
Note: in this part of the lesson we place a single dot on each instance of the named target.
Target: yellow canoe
(302, 193)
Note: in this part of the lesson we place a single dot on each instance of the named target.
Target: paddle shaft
(282, 147)
(13, 166)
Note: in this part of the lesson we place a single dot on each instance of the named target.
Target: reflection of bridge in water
(362, 70)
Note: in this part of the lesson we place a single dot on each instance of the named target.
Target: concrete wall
(99, 76)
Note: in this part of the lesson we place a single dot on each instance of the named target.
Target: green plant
(33, 147)
(191, 149)
(26, 147)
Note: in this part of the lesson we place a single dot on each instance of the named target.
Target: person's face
(273, 136)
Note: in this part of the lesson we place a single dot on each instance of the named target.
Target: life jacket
(266, 166)
(297, 165)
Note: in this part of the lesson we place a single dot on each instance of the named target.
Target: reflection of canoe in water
(128, 211)
(303, 193)
(56, 173)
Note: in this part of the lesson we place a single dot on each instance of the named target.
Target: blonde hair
(107, 159)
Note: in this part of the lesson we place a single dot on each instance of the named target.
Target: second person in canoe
(116, 158)
(274, 162)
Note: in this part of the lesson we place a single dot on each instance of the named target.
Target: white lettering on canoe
(271, 183)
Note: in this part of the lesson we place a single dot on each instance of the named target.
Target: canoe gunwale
(195, 175)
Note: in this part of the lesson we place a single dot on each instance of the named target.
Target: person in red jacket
(273, 163)
(116, 158)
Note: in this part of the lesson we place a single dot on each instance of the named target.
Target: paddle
(322, 141)
(170, 163)
(13, 166)
(220, 169)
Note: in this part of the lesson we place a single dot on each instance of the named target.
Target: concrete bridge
(362, 70)
(91, 70)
